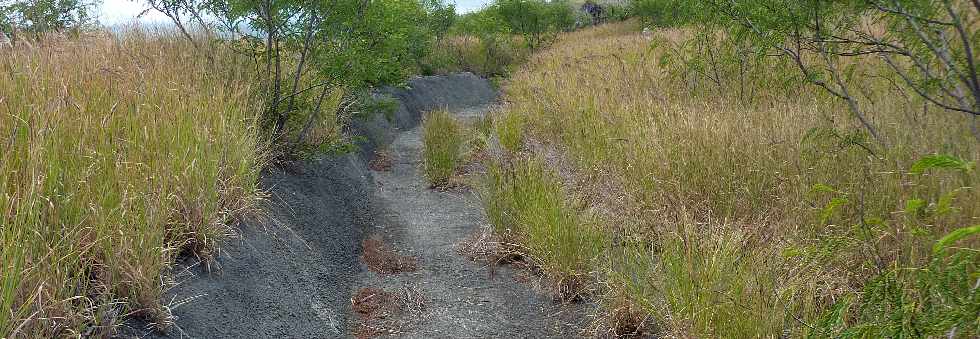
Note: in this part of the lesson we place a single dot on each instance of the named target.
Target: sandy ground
(292, 273)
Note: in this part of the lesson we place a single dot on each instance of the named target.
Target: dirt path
(461, 299)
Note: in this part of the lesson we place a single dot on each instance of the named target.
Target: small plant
(443, 143)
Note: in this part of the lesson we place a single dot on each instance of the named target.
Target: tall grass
(118, 154)
(525, 204)
(443, 146)
(747, 203)
(509, 128)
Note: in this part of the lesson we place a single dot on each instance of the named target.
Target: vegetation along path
(344, 250)
(445, 294)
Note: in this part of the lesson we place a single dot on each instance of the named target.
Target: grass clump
(509, 128)
(116, 155)
(442, 140)
(527, 208)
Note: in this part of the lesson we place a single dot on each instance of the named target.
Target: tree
(930, 45)
(533, 18)
(40, 16)
(349, 43)
(441, 16)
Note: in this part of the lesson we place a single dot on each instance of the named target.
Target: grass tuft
(442, 139)
(525, 204)
(509, 128)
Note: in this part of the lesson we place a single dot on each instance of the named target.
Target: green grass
(442, 139)
(525, 204)
(118, 154)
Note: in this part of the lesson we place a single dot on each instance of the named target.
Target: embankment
(289, 272)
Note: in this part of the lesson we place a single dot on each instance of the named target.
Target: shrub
(442, 141)
(490, 55)
(663, 13)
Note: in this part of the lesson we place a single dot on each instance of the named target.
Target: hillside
(714, 203)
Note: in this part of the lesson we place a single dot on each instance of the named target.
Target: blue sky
(124, 11)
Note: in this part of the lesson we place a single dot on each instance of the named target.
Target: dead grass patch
(381, 162)
(382, 259)
(623, 320)
(373, 308)
(380, 312)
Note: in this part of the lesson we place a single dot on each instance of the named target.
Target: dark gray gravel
(289, 276)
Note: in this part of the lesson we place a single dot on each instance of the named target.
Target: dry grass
(381, 258)
(381, 162)
(383, 313)
(118, 154)
(730, 217)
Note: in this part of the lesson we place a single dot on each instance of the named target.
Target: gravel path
(294, 272)
(461, 298)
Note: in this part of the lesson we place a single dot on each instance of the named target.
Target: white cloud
(115, 12)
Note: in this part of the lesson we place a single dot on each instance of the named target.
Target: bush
(442, 141)
(535, 18)
(663, 13)
(489, 56)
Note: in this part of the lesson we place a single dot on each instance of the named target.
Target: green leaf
(832, 206)
(822, 188)
(915, 207)
(955, 236)
(940, 161)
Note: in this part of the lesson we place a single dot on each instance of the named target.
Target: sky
(125, 11)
